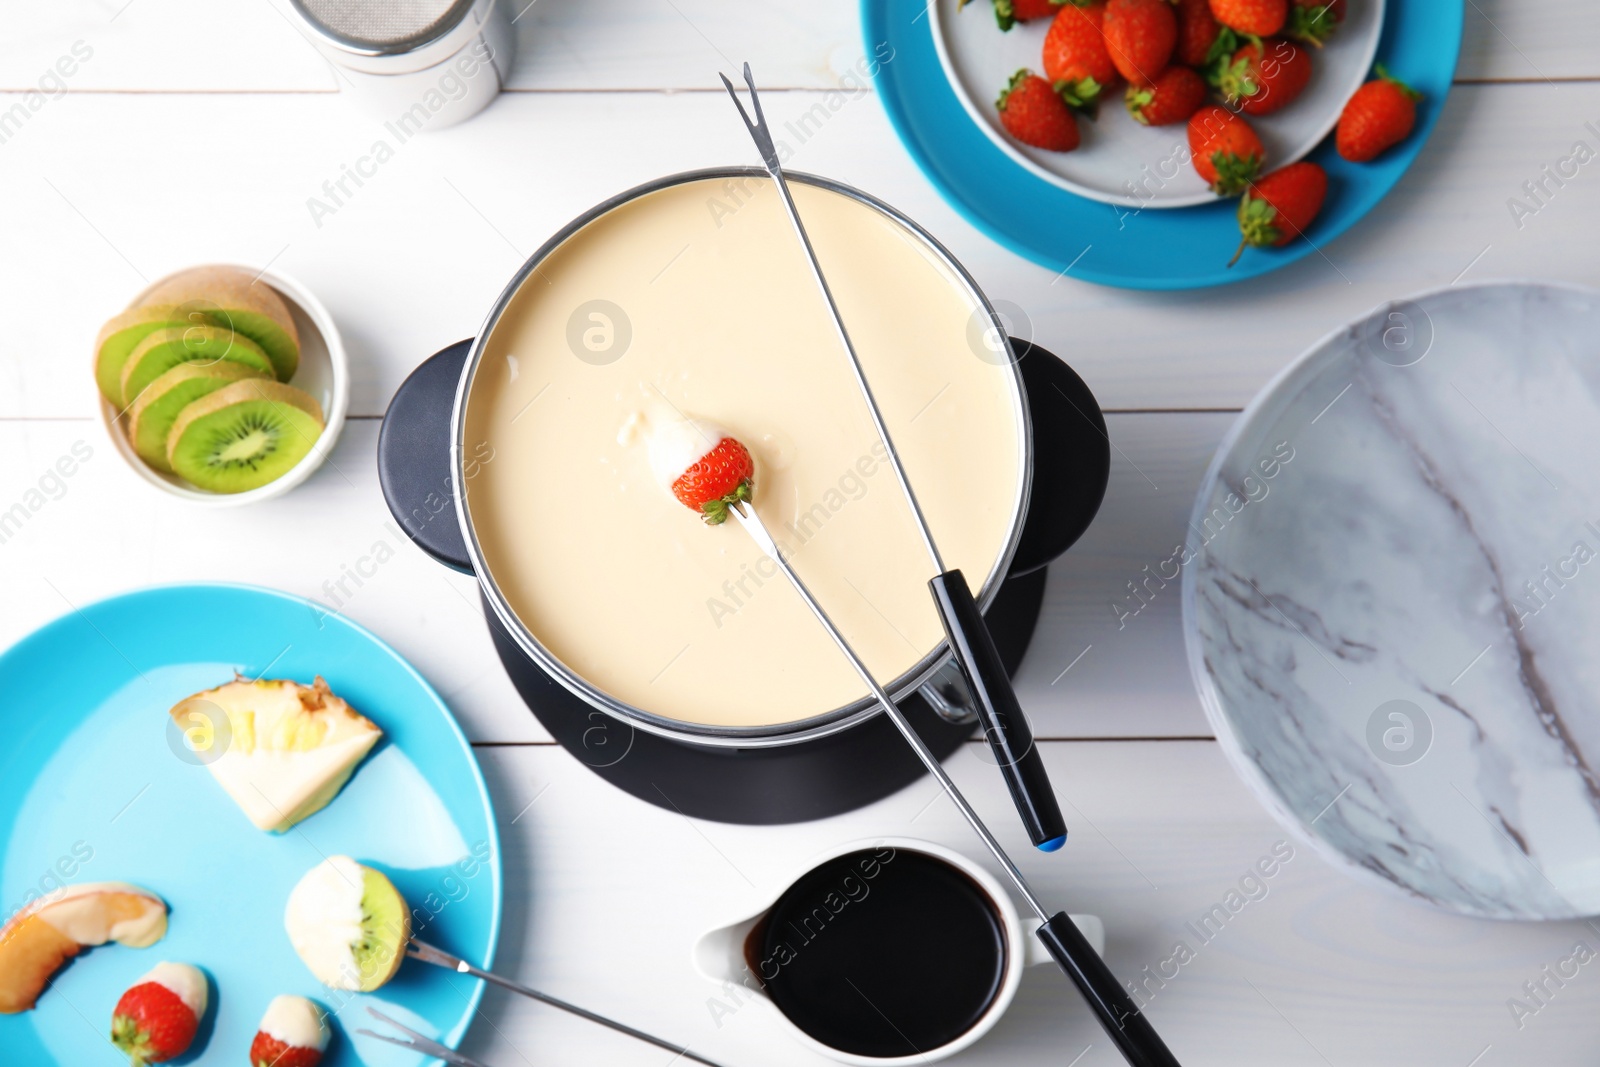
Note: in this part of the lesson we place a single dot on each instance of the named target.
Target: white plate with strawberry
(1285, 67)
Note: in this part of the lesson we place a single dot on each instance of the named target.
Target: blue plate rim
(42, 632)
(873, 14)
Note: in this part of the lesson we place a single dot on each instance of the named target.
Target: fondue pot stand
(790, 772)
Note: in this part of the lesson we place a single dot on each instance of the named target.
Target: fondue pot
(839, 758)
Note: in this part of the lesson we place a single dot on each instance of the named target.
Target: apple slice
(43, 936)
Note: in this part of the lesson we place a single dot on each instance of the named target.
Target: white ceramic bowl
(978, 59)
(323, 372)
(1391, 595)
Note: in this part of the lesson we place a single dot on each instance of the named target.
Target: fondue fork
(1004, 725)
(1123, 1022)
(419, 950)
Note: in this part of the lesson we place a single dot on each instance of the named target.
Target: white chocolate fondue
(704, 291)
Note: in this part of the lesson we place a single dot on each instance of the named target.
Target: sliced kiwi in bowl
(166, 348)
(243, 435)
(122, 334)
(151, 416)
(231, 298)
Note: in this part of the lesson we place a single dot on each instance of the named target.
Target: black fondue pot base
(789, 783)
(761, 786)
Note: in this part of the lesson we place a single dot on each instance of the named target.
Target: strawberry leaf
(1234, 173)
(1083, 94)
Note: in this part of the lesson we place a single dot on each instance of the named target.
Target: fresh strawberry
(1140, 35)
(156, 1019)
(1262, 18)
(1075, 56)
(293, 1033)
(1197, 32)
(1225, 150)
(1265, 76)
(718, 480)
(1313, 21)
(1010, 12)
(1378, 115)
(1034, 113)
(1176, 95)
(1279, 207)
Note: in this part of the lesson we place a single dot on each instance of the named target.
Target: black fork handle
(1121, 1018)
(1004, 725)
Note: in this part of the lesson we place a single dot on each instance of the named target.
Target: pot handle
(414, 466)
(1071, 457)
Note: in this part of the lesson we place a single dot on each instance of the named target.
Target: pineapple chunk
(287, 749)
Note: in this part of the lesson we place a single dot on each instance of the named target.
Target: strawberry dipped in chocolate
(293, 1033)
(699, 462)
(156, 1019)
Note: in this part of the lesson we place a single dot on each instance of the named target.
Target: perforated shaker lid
(384, 26)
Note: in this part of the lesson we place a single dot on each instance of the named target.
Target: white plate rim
(981, 118)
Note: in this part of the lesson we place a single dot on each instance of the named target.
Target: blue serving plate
(93, 782)
(1179, 248)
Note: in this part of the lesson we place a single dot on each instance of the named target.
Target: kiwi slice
(151, 417)
(385, 930)
(244, 435)
(318, 916)
(234, 299)
(122, 334)
(165, 349)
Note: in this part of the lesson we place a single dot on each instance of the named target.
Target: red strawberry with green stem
(1176, 94)
(1035, 114)
(1197, 32)
(1377, 116)
(1265, 76)
(156, 1019)
(1140, 35)
(720, 479)
(1279, 207)
(1008, 13)
(1224, 149)
(293, 1033)
(1076, 59)
(1313, 21)
(1260, 18)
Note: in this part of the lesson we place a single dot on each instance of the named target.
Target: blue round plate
(93, 789)
(1180, 248)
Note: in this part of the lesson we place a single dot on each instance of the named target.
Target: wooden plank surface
(249, 46)
(1132, 683)
(412, 260)
(1317, 970)
(198, 131)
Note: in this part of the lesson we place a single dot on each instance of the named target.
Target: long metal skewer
(1005, 726)
(747, 517)
(419, 950)
(1122, 1020)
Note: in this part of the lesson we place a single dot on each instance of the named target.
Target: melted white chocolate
(630, 589)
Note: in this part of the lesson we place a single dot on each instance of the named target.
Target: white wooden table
(197, 131)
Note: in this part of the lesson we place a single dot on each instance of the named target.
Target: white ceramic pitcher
(719, 954)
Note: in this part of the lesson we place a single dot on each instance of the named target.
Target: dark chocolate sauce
(883, 952)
